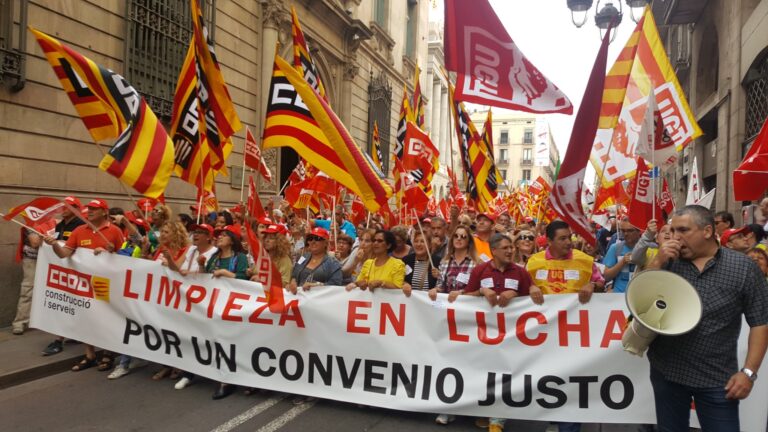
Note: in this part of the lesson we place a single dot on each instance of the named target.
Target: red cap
(733, 231)
(237, 209)
(320, 232)
(98, 203)
(272, 229)
(490, 216)
(265, 221)
(231, 229)
(202, 227)
(528, 219)
(74, 202)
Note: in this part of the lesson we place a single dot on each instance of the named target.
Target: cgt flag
(142, 156)
(299, 118)
(490, 68)
(253, 156)
(567, 190)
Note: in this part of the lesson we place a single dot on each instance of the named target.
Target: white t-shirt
(190, 259)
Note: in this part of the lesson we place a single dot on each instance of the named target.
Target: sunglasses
(314, 238)
(460, 236)
(527, 237)
(378, 240)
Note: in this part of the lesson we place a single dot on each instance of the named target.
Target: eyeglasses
(527, 237)
(460, 236)
(314, 238)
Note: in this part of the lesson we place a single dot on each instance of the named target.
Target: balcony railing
(526, 162)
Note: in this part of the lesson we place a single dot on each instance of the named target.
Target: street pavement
(41, 394)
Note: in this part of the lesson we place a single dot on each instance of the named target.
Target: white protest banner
(558, 362)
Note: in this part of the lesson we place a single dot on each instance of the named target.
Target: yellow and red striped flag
(220, 120)
(376, 153)
(142, 156)
(192, 153)
(418, 100)
(299, 118)
(302, 60)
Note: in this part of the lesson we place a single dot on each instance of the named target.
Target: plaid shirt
(450, 269)
(730, 285)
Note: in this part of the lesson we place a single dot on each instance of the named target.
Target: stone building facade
(366, 51)
(719, 49)
(517, 137)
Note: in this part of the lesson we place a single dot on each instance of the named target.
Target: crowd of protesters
(465, 254)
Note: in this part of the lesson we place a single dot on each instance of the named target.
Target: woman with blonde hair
(525, 246)
(457, 264)
(160, 215)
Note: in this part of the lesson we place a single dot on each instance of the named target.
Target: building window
(528, 136)
(411, 28)
(527, 175)
(503, 174)
(380, 13)
(503, 155)
(756, 85)
(11, 37)
(159, 33)
(504, 137)
(379, 106)
(527, 154)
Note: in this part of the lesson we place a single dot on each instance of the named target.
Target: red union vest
(560, 276)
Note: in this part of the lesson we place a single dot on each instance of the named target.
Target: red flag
(413, 196)
(750, 179)
(358, 212)
(267, 273)
(420, 157)
(666, 202)
(254, 202)
(641, 198)
(323, 184)
(566, 192)
(253, 156)
(456, 194)
(37, 211)
(490, 69)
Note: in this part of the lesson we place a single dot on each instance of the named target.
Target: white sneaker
(182, 383)
(552, 427)
(444, 419)
(119, 372)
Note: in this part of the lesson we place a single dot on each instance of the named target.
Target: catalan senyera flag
(376, 153)
(302, 60)
(402, 124)
(494, 177)
(299, 118)
(192, 153)
(142, 156)
(478, 167)
(642, 67)
(220, 120)
(418, 100)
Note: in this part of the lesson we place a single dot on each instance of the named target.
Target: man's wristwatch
(752, 375)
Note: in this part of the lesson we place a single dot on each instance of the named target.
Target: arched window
(379, 111)
(756, 86)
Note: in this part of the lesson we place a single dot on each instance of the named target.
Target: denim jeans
(568, 427)
(673, 406)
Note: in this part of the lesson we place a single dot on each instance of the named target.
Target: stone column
(436, 107)
(444, 125)
(273, 15)
(428, 109)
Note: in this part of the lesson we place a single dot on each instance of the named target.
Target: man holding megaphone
(701, 365)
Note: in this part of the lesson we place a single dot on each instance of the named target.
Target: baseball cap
(202, 227)
(272, 229)
(231, 229)
(98, 203)
(320, 232)
(73, 201)
(733, 231)
(490, 216)
(146, 204)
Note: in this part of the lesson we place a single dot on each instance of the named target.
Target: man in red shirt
(500, 279)
(107, 237)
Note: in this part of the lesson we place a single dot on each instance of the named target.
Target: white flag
(694, 186)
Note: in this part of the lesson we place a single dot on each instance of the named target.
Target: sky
(543, 31)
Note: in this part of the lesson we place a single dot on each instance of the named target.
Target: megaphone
(660, 302)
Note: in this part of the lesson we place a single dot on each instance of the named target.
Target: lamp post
(605, 15)
(580, 8)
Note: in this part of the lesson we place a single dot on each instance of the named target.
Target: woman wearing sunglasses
(315, 267)
(456, 266)
(525, 246)
(382, 270)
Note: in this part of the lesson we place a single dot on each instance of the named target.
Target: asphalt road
(87, 401)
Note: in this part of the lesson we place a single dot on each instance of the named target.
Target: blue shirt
(622, 279)
(347, 227)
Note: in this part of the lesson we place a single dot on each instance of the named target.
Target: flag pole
(242, 179)
(334, 228)
(24, 225)
(90, 224)
(125, 189)
(418, 222)
(201, 190)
